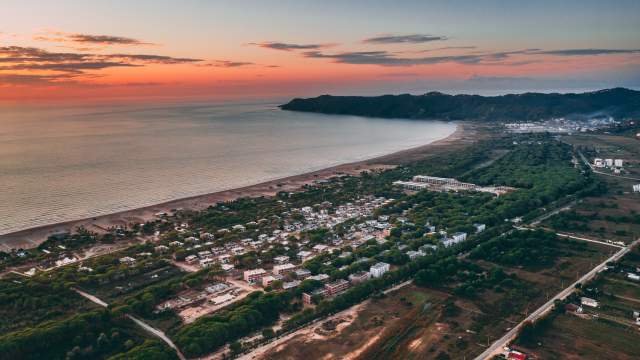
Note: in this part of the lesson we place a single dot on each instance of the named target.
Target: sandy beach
(28, 238)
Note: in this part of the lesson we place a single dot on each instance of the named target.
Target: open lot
(417, 322)
(608, 331)
(404, 315)
(129, 284)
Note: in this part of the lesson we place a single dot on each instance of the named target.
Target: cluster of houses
(331, 289)
(204, 254)
(215, 294)
(613, 164)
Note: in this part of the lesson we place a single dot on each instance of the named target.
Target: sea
(66, 163)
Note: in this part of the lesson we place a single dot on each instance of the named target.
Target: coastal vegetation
(618, 102)
(537, 166)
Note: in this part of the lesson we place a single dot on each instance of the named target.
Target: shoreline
(32, 237)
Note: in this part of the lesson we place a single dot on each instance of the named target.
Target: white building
(304, 255)
(320, 248)
(597, 162)
(281, 259)
(128, 260)
(252, 276)
(207, 262)
(618, 162)
(283, 269)
(636, 188)
(480, 227)
(608, 162)
(588, 302)
(459, 236)
(634, 277)
(378, 269)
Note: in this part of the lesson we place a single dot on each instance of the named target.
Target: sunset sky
(101, 50)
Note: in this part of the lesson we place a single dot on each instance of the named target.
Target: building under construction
(423, 182)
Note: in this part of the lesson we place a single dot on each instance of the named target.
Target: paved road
(150, 329)
(497, 346)
(589, 240)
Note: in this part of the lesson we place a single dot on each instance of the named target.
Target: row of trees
(209, 333)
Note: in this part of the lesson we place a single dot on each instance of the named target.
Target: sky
(152, 50)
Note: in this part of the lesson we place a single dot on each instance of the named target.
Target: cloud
(27, 79)
(14, 60)
(229, 64)
(403, 39)
(385, 58)
(71, 67)
(447, 48)
(234, 64)
(58, 36)
(588, 52)
(152, 59)
(288, 47)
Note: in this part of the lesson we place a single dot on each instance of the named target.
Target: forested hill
(618, 102)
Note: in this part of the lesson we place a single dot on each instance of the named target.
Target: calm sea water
(65, 164)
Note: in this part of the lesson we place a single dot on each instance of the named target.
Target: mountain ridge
(617, 102)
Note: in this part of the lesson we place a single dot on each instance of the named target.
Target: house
(191, 259)
(308, 298)
(291, 284)
(71, 260)
(336, 287)
(207, 262)
(459, 236)
(320, 277)
(449, 242)
(378, 269)
(608, 162)
(636, 188)
(634, 277)
(227, 267)
(516, 355)
(224, 259)
(597, 162)
(479, 227)
(320, 248)
(618, 162)
(414, 254)
(427, 248)
(359, 277)
(283, 269)
(128, 260)
(161, 249)
(240, 228)
(253, 276)
(588, 302)
(282, 259)
(304, 255)
(267, 280)
(302, 273)
(238, 250)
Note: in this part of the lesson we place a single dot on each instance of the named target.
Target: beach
(464, 134)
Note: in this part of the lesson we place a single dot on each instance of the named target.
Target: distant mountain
(617, 102)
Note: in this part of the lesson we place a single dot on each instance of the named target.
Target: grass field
(570, 337)
(117, 289)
